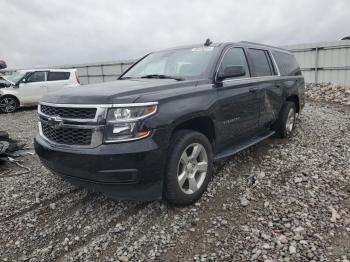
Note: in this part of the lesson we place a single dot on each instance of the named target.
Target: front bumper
(132, 171)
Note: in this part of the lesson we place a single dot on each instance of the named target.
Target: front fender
(8, 91)
(186, 104)
(182, 107)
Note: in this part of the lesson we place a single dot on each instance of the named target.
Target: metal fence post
(88, 74)
(316, 65)
(103, 73)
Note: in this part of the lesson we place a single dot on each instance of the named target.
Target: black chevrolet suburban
(156, 131)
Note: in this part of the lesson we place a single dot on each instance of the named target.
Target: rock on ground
(329, 92)
(296, 205)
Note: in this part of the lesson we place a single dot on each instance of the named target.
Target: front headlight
(123, 122)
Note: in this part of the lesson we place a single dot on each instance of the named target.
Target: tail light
(76, 76)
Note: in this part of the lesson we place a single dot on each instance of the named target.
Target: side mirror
(18, 84)
(232, 71)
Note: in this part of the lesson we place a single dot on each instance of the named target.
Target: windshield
(186, 63)
(15, 77)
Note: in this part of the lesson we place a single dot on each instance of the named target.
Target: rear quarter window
(261, 65)
(58, 76)
(286, 63)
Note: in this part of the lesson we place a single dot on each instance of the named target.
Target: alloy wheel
(192, 168)
(8, 104)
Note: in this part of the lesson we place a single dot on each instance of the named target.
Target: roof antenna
(208, 42)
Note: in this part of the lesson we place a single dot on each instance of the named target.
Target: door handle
(253, 90)
(278, 85)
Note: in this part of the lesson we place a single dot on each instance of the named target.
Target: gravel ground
(281, 200)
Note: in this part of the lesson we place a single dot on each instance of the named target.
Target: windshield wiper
(162, 77)
(125, 77)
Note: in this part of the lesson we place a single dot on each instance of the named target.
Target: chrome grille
(69, 112)
(67, 136)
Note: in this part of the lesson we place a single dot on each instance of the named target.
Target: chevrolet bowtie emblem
(55, 122)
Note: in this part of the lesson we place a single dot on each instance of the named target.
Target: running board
(239, 147)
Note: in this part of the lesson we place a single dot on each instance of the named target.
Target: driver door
(239, 101)
(33, 87)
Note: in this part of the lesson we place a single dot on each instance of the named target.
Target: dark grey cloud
(43, 33)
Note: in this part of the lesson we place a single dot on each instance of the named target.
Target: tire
(8, 104)
(187, 188)
(285, 123)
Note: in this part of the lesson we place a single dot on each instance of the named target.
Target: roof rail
(258, 44)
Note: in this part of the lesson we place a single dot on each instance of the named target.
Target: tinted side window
(235, 57)
(287, 64)
(57, 76)
(260, 62)
(37, 77)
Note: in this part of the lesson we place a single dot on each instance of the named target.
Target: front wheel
(189, 168)
(8, 104)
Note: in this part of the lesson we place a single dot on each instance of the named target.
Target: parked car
(26, 87)
(156, 131)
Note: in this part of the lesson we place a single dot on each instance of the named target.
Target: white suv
(26, 87)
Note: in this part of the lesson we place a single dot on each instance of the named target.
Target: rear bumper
(132, 171)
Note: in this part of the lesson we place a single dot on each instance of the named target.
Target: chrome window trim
(246, 78)
(275, 63)
(273, 60)
(250, 78)
(222, 58)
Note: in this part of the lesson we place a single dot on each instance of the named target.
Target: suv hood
(116, 92)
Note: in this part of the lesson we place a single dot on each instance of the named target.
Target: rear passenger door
(58, 80)
(239, 103)
(268, 90)
(290, 79)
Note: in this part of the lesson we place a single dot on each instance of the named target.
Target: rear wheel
(285, 123)
(8, 104)
(189, 168)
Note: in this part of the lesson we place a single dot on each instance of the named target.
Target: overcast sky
(39, 33)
